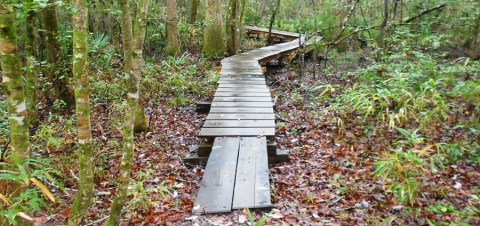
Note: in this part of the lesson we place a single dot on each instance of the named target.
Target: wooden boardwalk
(240, 119)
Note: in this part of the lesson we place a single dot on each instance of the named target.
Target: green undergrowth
(426, 107)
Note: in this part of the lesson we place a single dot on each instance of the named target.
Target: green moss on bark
(83, 197)
(213, 43)
(12, 77)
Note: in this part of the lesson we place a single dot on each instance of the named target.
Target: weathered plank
(243, 89)
(239, 124)
(240, 94)
(219, 132)
(245, 82)
(242, 99)
(252, 185)
(235, 110)
(219, 116)
(264, 104)
(216, 190)
(239, 85)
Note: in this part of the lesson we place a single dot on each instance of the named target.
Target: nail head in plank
(219, 132)
(239, 124)
(216, 190)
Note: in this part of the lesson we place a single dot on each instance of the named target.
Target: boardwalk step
(252, 185)
(241, 110)
(241, 94)
(220, 132)
(216, 190)
(239, 124)
(236, 176)
(242, 99)
(220, 116)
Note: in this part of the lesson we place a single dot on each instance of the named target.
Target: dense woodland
(380, 117)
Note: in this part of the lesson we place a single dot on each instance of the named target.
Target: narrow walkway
(241, 117)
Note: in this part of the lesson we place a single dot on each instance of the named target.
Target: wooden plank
(243, 77)
(240, 94)
(245, 82)
(252, 185)
(216, 190)
(264, 104)
(242, 99)
(241, 110)
(244, 90)
(239, 124)
(219, 132)
(218, 116)
(262, 182)
(240, 85)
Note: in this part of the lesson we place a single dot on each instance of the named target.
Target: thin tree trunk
(234, 25)
(133, 58)
(395, 9)
(193, 11)
(381, 36)
(272, 20)
(60, 83)
(83, 197)
(213, 44)
(476, 30)
(173, 44)
(30, 75)
(12, 77)
(139, 30)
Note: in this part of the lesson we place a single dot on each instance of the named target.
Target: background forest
(380, 117)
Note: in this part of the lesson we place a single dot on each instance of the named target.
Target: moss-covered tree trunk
(234, 27)
(173, 43)
(213, 43)
(193, 11)
(12, 78)
(139, 30)
(381, 36)
(60, 82)
(30, 75)
(84, 195)
(132, 66)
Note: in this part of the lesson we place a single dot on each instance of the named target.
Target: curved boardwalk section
(241, 117)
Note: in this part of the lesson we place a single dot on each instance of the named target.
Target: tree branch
(424, 12)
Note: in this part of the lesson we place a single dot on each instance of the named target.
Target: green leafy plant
(28, 192)
(260, 222)
(402, 171)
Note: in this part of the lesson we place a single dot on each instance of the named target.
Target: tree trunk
(60, 82)
(272, 20)
(84, 195)
(139, 30)
(381, 36)
(234, 27)
(213, 43)
(173, 44)
(132, 65)
(193, 11)
(476, 30)
(12, 77)
(30, 75)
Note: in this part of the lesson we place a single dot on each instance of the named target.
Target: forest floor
(328, 180)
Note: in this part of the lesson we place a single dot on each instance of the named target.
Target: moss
(213, 43)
